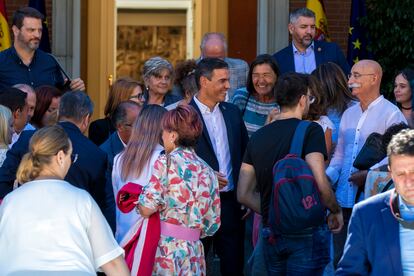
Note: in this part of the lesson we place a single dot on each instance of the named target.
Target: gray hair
(154, 66)
(75, 105)
(24, 87)
(401, 143)
(305, 12)
(208, 36)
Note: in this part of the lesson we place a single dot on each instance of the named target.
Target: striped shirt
(254, 112)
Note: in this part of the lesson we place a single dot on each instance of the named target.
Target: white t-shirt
(124, 221)
(50, 225)
(325, 123)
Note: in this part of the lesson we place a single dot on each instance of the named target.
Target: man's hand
(77, 85)
(222, 180)
(335, 222)
(273, 115)
(358, 178)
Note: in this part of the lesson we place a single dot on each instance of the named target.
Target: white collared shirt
(305, 62)
(217, 132)
(117, 133)
(16, 136)
(354, 129)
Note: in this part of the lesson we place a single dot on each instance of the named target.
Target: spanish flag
(321, 22)
(5, 41)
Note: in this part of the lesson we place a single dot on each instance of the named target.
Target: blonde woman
(48, 225)
(6, 131)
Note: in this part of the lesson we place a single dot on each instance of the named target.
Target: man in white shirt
(373, 113)
(222, 146)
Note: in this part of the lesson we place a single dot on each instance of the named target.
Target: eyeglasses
(358, 75)
(74, 158)
(139, 97)
(311, 99)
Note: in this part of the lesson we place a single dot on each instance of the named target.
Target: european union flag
(358, 38)
(41, 7)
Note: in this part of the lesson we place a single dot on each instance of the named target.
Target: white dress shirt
(16, 136)
(217, 132)
(355, 127)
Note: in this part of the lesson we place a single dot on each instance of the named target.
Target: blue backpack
(295, 203)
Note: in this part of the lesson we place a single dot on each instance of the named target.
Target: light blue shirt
(355, 127)
(304, 62)
(406, 244)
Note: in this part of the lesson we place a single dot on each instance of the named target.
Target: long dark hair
(334, 85)
(261, 59)
(408, 74)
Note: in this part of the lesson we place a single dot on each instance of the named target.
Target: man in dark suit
(381, 231)
(222, 146)
(304, 54)
(123, 119)
(88, 170)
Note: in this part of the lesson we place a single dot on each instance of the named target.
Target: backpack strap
(298, 138)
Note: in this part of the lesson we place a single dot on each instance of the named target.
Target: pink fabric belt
(179, 232)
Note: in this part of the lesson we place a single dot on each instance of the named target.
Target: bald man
(373, 113)
(214, 45)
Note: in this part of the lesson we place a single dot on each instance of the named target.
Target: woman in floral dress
(184, 189)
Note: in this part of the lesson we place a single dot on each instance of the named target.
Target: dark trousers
(292, 255)
(340, 238)
(228, 242)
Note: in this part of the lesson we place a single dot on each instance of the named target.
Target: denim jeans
(292, 255)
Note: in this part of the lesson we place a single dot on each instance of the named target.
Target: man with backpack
(289, 190)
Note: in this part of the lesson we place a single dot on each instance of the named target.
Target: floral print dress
(188, 196)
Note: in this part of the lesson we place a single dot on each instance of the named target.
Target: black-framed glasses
(358, 75)
(74, 157)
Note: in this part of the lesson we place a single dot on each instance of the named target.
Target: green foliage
(389, 24)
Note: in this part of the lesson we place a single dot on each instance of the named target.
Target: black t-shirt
(272, 143)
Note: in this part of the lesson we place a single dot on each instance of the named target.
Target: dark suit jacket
(112, 146)
(324, 52)
(373, 243)
(100, 130)
(87, 173)
(236, 134)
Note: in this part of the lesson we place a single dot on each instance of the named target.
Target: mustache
(354, 85)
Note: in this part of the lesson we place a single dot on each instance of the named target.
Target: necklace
(406, 108)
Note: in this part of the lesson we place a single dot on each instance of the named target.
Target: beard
(31, 44)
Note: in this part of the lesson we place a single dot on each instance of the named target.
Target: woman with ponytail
(48, 225)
